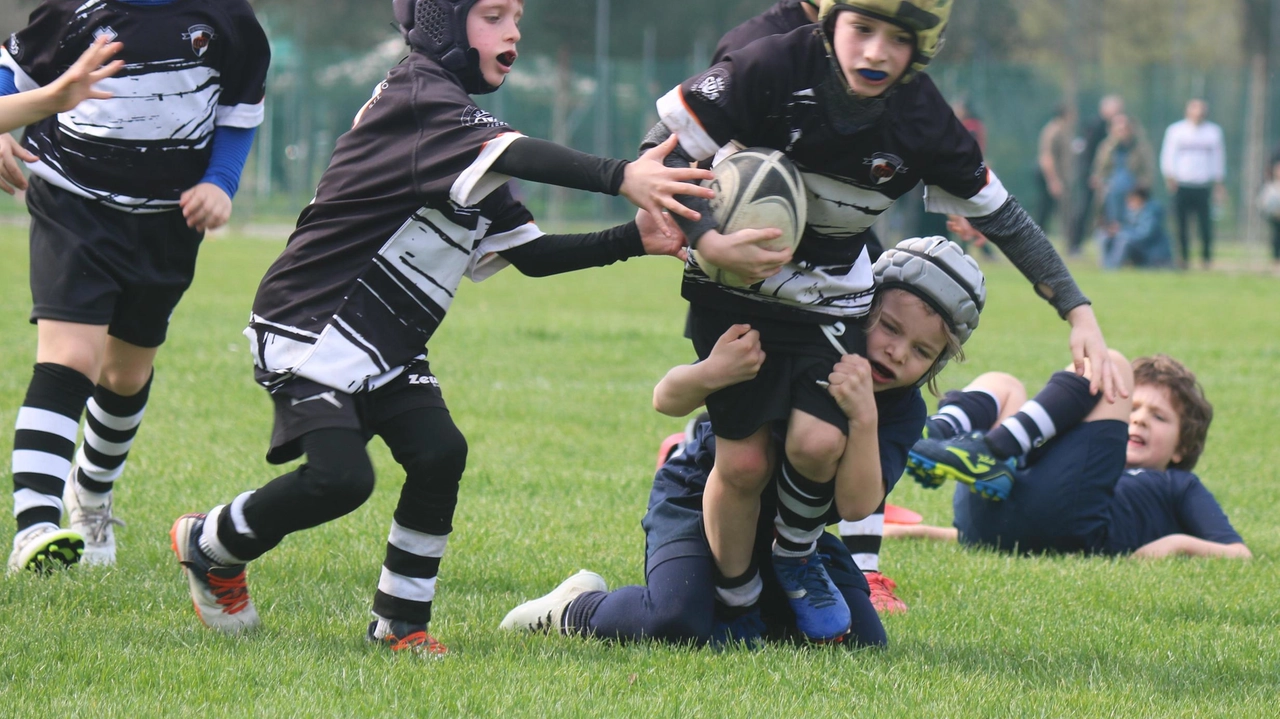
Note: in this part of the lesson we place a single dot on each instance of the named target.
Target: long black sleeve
(677, 158)
(549, 163)
(554, 254)
(1025, 244)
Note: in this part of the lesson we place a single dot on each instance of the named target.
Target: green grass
(550, 380)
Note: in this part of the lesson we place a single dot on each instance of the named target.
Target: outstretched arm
(736, 358)
(1025, 244)
(1173, 545)
(68, 90)
(64, 93)
(648, 183)
(739, 252)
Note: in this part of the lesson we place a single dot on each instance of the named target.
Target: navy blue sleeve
(1200, 515)
(902, 417)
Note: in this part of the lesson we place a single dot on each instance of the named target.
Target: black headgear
(438, 29)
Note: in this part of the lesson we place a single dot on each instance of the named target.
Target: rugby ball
(755, 188)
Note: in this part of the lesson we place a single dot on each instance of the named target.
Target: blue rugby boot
(821, 612)
(966, 459)
(737, 625)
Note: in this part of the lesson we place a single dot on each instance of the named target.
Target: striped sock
(863, 538)
(1061, 405)
(408, 582)
(802, 511)
(44, 441)
(110, 425)
(962, 412)
(740, 591)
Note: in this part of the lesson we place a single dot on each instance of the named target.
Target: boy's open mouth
(507, 59)
(884, 374)
(1135, 439)
(873, 75)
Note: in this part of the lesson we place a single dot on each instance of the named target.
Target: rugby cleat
(745, 626)
(821, 612)
(219, 594)
(546, 613)
(400, 636)
(45, 547)
(882, 596)
(967, 459)
(95, 524)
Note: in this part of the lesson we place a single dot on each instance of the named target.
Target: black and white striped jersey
(189, 66)
(405, 210)
(766, 94)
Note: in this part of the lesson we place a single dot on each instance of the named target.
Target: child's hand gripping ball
(756, 188)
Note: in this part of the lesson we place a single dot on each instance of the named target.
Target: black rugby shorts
(95, 265)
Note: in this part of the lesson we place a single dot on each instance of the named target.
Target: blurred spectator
(1140, 239)
(964, 232)
(971, 122)
(1193, 162)
(1054, 166)
(1269, 204)
(1124, 161)
(1086, 147)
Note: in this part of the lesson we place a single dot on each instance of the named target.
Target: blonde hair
(953, 349)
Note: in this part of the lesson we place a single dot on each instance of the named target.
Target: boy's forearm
(1187, 545)
(684, 389)
(25, 108)
(859, 486)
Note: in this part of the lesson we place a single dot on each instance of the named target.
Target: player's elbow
(665, 405)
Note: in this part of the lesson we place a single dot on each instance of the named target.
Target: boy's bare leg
(1120, 409)
(1009, 392)
(806, 493)
(731, 503)
(126, 368)
(72, 344)
(814, 446)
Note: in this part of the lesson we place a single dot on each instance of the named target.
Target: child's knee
(816, 451)
(745, 469)
(672, 623)
(444, 456)
(343, 486)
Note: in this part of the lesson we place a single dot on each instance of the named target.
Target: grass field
(551, 381)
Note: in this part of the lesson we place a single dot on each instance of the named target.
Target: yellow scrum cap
(927, 19)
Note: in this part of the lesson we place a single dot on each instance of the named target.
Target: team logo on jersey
(14, 48)
(713, 86)
(476, 117)
(106, 31)
(200, 37)
(884, 166)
